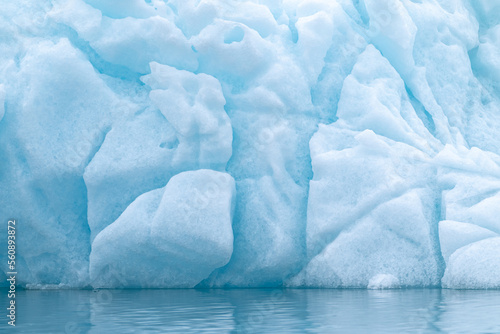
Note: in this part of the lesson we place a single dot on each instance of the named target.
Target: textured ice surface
(475, 266)
(215, 143)
(169, 237)
(454, 235)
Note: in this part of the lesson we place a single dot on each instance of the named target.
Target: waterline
(258, 311)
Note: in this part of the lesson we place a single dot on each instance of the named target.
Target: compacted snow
(205, 143)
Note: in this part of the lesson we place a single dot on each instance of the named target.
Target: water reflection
(257, 311)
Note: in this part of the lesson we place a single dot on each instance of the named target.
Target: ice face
(188, 130)
(258, 143)
(172, 237)
(475, 266)
(454, 235)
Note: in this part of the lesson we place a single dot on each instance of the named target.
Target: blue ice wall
(302, 143)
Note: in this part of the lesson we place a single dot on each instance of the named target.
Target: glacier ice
(199, 138)
(475, 266)
(383, 281)
(300, 143)
(454, 235)
(183, 228)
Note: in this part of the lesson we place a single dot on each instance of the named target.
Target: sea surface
(254, 311)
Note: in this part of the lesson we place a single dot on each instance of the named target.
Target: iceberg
(297, 143)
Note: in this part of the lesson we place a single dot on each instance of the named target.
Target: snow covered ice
(300, 143)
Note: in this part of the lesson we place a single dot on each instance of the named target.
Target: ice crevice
(102, 66)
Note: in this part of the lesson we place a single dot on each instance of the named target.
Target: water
(256, 311)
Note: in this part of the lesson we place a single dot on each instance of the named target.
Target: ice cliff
(205, 143)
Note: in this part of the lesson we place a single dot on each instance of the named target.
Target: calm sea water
(255, 311)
